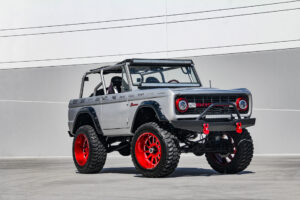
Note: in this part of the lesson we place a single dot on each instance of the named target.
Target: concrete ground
(42, 179)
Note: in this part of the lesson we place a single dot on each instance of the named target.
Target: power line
(146, 17)
(147, 24)
(81, 23)
(234, 8)
(150, 52)
(237, 15)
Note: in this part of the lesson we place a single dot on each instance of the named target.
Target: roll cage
(124, 66)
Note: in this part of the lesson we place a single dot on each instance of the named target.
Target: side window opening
(116, 81)
(92, 80)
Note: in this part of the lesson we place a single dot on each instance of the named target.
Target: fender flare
(154, 106)
(92, 113)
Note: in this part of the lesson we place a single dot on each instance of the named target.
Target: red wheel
(81, 149)
(148, 150)
(154, 150)
(89, 153)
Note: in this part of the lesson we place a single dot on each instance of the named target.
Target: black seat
(152, 80)
(115, 84)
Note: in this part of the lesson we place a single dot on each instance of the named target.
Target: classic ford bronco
(154, 110)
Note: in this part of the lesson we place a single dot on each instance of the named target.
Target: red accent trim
(177, 104)
(147, 150)
(205, 129)
(203, 104)
(208, 104)
(239, 128)
(238, 104)
(133, 104)
(81, 149)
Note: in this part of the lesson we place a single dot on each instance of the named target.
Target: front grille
(206, 100)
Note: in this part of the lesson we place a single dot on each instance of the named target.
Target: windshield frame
(197, 84)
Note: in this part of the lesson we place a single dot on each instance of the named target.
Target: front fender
(155, 106)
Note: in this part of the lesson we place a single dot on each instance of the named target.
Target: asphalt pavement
(268, 177)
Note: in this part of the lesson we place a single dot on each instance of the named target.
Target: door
(114, 107)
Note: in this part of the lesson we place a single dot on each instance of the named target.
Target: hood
(204, 90)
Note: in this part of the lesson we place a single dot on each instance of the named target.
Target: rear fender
(87, 111)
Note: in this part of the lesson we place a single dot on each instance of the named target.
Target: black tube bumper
(197, 125)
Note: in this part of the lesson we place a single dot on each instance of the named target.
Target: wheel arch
(87, 116)
(146, 112)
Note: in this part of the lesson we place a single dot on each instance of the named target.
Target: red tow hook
(239, 129)
(205, 129)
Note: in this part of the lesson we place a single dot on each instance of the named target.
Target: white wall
(33, 100)
(34, 105)
(211, 27)
(273, 77)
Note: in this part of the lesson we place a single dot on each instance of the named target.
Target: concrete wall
(33, 119)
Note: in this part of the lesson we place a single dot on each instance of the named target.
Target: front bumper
(198, 125)
(201, 124)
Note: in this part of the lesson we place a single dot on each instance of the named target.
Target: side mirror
(86, 78)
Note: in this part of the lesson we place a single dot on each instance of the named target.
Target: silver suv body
(166, 92)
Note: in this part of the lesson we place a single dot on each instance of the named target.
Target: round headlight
(241, 104)
(182, 105)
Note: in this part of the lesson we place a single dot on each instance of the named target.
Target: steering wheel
(173, 81)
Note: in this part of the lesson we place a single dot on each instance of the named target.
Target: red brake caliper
(239, 129)
(205, 129)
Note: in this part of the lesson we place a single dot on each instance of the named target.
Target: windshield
(173, 76)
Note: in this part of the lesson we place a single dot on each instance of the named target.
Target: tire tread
(243, 156)
(97, 153)
(173, 152)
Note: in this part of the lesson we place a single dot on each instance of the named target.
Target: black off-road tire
(170, 152)
(97, 151)
(243, 156)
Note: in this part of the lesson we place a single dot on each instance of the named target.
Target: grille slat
(219, 110)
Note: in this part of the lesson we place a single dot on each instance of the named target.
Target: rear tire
(239, 160)
(89, 153)
(155, 151)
